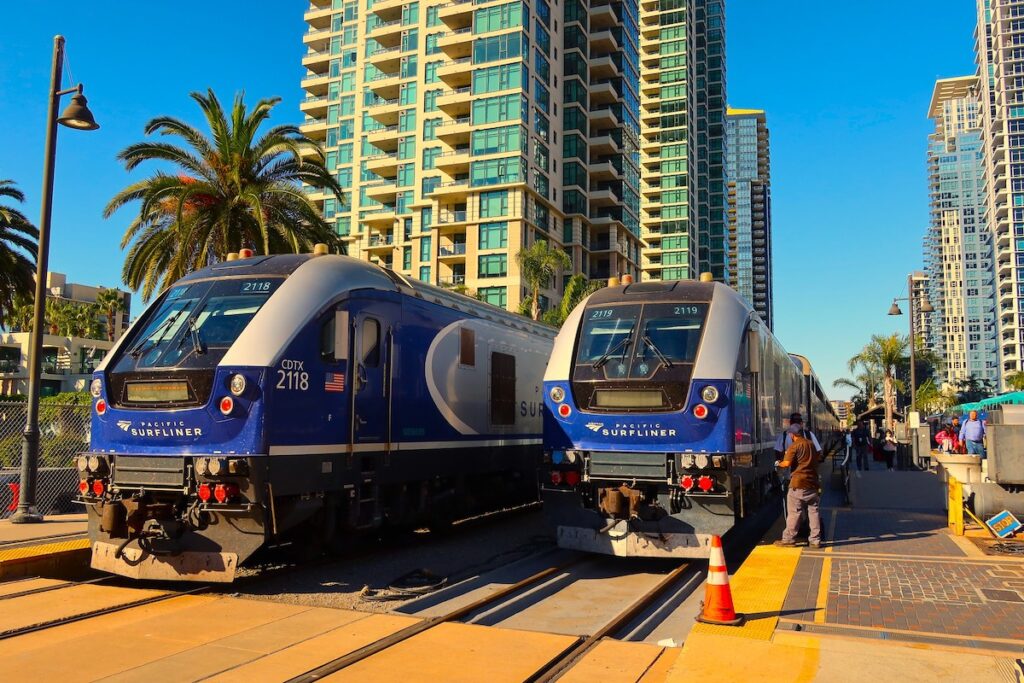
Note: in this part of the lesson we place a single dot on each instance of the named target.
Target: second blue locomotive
(664, 401)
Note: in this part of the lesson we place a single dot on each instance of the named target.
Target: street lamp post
(926, 307)
(77, 116)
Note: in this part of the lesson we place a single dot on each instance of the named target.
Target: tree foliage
(230, 189)
(538, 263)
(18, 241)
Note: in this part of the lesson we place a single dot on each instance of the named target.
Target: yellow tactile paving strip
(42, 550)
(758, 591)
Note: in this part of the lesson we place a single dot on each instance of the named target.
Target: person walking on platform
(889, 449)
(973, 434)
(803, 498)
(861, 442)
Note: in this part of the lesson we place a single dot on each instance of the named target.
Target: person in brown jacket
(804, 484)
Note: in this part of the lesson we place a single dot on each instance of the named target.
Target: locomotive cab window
(503, 389)
(467, 347)
(334, 338)
(370, 336)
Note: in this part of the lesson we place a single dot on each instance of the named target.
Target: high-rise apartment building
(958, 249)
(999, 44)
(748, 171)
(682, 128)
(467, 130)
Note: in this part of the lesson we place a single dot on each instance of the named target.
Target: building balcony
(602, 16)
(385, 165)
(318, 16)
(457, 102)
(603, 170)
(386, 86)
(387, 59)
(385, 138)
(604, 144)
(651, 89)
(603, 197)
(384, 111)
(380, 244)
(389, 10)
(316, 60)
(455, 132)
(603, 92)
(457, 43)
(315, 106)
(454, 163)
(317, 39)
(451, 221)
(603, 118)
(603, 43)
(604, 67)
(455, 253)
(383, 191)
(316, 84)
(388, 34)
(456, 280)
(315, 129)
(457, 73)
(378, 218)
(453, 190)
(457, 14)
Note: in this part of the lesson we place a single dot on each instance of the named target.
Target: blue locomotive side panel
(304, 398)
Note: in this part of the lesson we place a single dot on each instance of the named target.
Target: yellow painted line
(713, 657)
(33, 551)
(758, 590)
(931, 634)
(821, 604)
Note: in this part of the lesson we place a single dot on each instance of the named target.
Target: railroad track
(552, 669)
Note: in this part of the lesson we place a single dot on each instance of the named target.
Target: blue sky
(846, 88)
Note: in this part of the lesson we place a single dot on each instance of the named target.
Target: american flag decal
(335, 381)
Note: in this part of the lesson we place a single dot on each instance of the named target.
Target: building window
(425, 274)
(494, 204)
(426, 251)
(493, 265)
(493, 235)
(496, 296)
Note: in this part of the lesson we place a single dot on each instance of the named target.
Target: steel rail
(59, 586)
(335, 665)
(568, 658)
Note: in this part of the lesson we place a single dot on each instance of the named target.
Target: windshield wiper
(657, 352)
(193, 334)
(610, 352)
(137, 349)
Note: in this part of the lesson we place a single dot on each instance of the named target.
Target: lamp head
(895, 309)
(926, 307)
(77, 114)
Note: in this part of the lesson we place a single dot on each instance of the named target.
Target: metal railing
(454, 250)
(63, 434)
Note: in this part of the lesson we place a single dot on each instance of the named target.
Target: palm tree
(577, 289)
(231, 189)
(110, 303)
(932, 399)
(865, 384)
(17, 243)
(1015, 382)
(538, 263)
(884, 354)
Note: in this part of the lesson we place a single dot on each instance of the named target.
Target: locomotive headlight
(202, 466)
(96, 388)
(83, 463)
(686, 460)
(97, 464)
(557, 394)
(217, 466)
(709, 394)
(702, 461)
(237, 384)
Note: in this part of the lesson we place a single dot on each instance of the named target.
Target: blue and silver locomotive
(303, 398)
(664, 401)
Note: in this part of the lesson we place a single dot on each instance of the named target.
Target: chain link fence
(63, 434)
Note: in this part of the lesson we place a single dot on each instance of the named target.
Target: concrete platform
(892, 596)
(56, 547)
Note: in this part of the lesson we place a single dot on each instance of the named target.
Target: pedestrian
(958, 446)
(848, 440)
(804, 497)
(889, 449)
(973, 435)
(785, 439)
(861, 441)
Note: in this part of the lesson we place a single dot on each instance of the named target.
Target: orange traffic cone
(717, 606)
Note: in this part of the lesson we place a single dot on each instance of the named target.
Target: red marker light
(700, 411)
(564, 410)
(705, 483)
(225, 492)
(227, 405)
(83, 486)
(686, 482)
(98, 487)
(205, 493)
(246, 253)
(572, 477)
(101, 407)
(556, 477)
